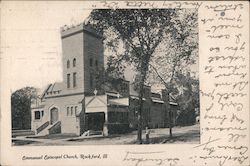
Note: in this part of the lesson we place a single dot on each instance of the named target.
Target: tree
(20, 107)
(134, 35)
(188, 98)
(179, 52)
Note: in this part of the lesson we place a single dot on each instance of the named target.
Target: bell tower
(83, 55)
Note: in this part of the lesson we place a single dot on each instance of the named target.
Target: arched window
(68, 80)
(74, 80)
(71, 111)
(68, 63)
(74, 62)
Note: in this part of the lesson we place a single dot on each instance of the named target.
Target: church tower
(83, 55)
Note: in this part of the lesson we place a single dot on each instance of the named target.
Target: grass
(23, 142)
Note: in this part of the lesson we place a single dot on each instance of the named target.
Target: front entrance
(53, 115)
(95, 121)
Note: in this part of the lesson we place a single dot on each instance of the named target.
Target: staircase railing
(42, 127)
(56, 128)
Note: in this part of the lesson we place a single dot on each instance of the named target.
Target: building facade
(77, 106)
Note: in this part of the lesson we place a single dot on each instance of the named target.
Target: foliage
(106, 79)
(179, 51)
(20, 107)
(186, 91)
(115, 68)
(139, 30)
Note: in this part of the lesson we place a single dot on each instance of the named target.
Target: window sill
(37, 120)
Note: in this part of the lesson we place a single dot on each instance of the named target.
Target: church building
(77, 106)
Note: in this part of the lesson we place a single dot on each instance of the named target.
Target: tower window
(91, 81)
(74, 62)
(96, 63)
(71, 111)
(91, 62)
(68, 63)
(68, 80)
(74, 79)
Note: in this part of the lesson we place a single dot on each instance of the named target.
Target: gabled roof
(45, 91)
(96, 101)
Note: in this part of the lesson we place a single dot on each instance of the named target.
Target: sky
(30, 39)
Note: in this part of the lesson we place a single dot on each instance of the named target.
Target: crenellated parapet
(68, 30)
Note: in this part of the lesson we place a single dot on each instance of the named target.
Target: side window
(37, 115)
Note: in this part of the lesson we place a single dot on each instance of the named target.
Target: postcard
(124, 83)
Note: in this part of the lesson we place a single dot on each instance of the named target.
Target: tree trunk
(139, 130)
(170, 123)
(168, 111)
(143, 72)
(141, 90)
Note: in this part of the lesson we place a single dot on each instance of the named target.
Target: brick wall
(157, 115)
(93, 51)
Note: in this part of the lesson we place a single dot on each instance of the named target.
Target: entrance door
(95, 121)
(53, 115)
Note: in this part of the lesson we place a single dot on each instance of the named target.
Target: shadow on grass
(193, 136)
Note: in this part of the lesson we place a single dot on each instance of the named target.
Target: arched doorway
(54, 115)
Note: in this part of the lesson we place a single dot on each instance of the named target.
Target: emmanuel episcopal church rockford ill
(78, 106)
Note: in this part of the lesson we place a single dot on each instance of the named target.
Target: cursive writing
(155, 158)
